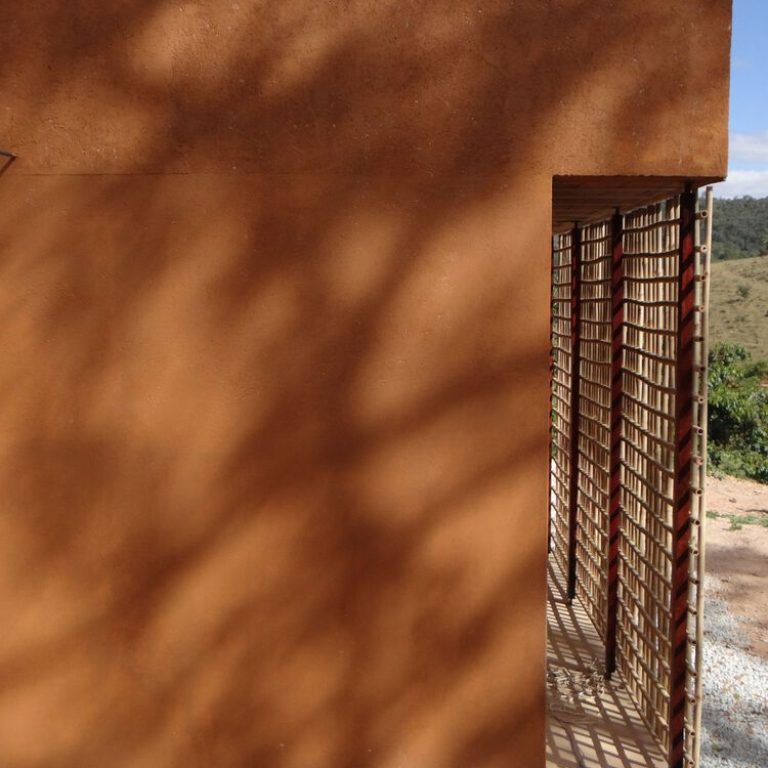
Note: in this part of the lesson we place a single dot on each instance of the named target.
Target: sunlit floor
(591, 723)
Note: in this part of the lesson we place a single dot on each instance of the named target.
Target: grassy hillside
(739, 303)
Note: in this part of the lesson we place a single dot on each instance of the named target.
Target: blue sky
(748, 163)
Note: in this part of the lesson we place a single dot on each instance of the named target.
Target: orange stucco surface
(274, 289)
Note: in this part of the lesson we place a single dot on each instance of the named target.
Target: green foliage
(740, 228)
(738, 413)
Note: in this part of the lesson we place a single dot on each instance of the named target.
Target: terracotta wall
(274, 363)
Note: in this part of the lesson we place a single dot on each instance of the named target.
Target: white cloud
(749, 148)
(740, 183)
(748, 162)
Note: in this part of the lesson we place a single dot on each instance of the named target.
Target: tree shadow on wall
(275, 381)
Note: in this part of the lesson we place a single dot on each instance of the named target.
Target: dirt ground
(738, 559)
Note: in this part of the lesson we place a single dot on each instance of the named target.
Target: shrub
(738, 413)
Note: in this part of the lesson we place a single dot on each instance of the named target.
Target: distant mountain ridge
(739, 228)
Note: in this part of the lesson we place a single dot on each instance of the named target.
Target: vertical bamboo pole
(704, 363)
(686, 307)
(573, 488)
(614, 496)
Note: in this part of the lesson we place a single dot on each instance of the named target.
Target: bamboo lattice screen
(594, 422)
(634, 290)
(560, 420)
(644, 638)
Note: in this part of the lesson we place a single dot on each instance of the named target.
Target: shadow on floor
(591, 723)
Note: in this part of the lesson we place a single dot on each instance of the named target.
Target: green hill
(740, 228)
(739, 303)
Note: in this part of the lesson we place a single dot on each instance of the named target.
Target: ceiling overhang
(583, 199)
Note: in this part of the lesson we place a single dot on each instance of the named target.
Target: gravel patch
(735, 712)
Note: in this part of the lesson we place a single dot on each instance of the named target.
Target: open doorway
(630, 261)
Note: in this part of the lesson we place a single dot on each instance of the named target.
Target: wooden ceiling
(584, 199)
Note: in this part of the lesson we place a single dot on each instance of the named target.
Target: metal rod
(614, 493)
(573, 495)
(681, 523)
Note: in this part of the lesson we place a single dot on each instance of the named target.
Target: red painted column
(682, 485)
(573, 488)
(614, 493)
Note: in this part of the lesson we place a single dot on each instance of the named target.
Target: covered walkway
(628, 448)
(591, 722)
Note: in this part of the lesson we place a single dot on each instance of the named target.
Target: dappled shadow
(259, 547)
(588, 728)
(273, 414)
